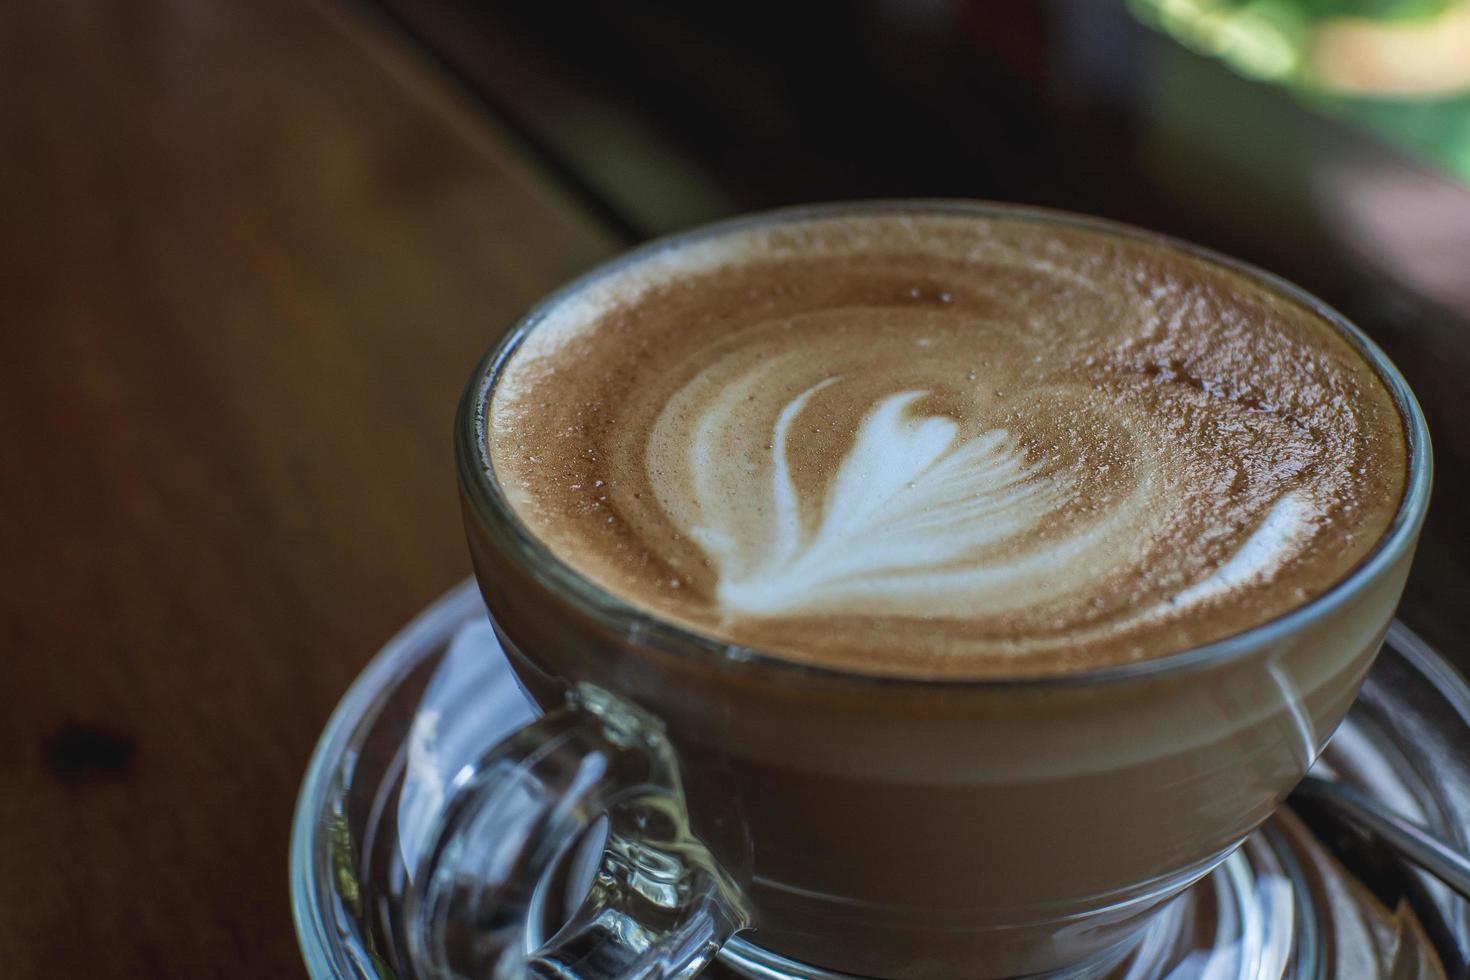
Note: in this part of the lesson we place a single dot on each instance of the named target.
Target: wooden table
(250, 251)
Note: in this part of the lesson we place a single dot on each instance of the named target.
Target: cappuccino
(942, 445)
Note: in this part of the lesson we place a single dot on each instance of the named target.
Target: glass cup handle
(659, 906)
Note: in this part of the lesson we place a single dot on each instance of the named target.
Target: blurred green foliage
(1270, 40)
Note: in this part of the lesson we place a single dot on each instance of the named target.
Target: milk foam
(917, 521)
(946, 445)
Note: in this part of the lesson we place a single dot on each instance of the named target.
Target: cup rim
(487, 503)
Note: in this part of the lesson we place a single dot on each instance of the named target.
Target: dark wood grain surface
(249, 252)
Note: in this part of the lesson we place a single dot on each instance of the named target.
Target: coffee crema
(929, 444)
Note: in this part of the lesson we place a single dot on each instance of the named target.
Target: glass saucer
(1305, 897)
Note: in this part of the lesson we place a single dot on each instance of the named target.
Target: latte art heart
(908, 525)
(946, 445)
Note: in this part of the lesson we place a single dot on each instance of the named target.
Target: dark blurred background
(1327, 140)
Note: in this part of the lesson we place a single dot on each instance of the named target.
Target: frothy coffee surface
(946, 445)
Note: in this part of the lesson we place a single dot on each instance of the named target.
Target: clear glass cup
(849, 824)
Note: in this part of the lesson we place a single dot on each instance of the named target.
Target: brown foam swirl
(946, 445)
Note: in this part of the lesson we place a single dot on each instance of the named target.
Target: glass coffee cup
(858, 825)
